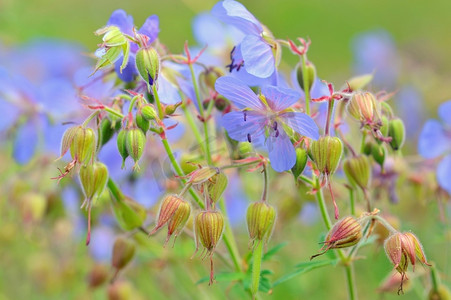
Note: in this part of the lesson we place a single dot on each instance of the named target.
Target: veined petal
(205, 30)
(234, 13)
(444, 174)
(433, 140)
(240, 94)
(444, 111)
(167, 92)
(258, 56)
(129, 72)
(243, 126)
(281, 152)
(120, 19)
(151, 28)
(302, 124)
(280, 98)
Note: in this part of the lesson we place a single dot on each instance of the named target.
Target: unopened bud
(121, 145)
(364, 107)
(123, 252)
(83, 145)
(134, 142)
(141, 122)
(209, 226)
(148, 113)
(301, 161)
(221, 103)
(326, 153)
(93, 179)
(97, 276)
(178, 220)
(171, 108)
(384, 128)
(112, 36)
(345, 233)
(442, 293)
(359, 82)
(260, 218)
(106, 131)
(216, 185)
(201, 175)
(358, 171)
(378, 153)
(129, 213)
(168, 208)
(148, 64)
(310, 74)
(207, 78)
(397, 132)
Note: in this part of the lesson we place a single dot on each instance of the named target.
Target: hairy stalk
(256, 267)
(91, 116)
(157, 102)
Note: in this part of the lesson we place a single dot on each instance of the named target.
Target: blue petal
(129, 72)
(174, 134)
(258, 56)
(444, 174)
(444, 111)
(102, 241)
(433, 140)
(409, 104)
(234, 13)
(167, 92)
(26, 142)
(302, 124)
(206, 28)
(237, 92)
(280, 98)
(151, 28)
(281, 152)
(241, 130)
(9, 114)
(58, 97)
(120, 19)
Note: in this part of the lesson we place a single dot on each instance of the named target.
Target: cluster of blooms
(243, 113)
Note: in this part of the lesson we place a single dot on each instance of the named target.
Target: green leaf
(223, 277)
(304, 268)
(273, 251)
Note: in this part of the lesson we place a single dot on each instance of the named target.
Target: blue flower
(253, 58)
(263, 119)
(435, 140)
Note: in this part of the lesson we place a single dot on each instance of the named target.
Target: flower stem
(113, 112)
(349, 269)
(157, 102)
(306, 84)
(91, 116)
(330, 110)
(192, 125)
(256, 267)
(385, 224)
(435, 278)
(352, 201)
(322, 205)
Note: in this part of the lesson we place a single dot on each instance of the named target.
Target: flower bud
(364, 107)
(310, 74)
(442, 293)
(385, 125)
(260, 219)
(168, 208)
(97, 276)
(301, 161)
(148, 113)
(129, 213)
(178, 220)
(148, 64)
(378, 153)
(171, 108)
(326, 153)
(201, 175)
(359, 82)
(134, 143)
(83, 145)
(209, 226)
(93, 179)
(216, 185)
(68, 138)
(221, 103)
(397, 132)
(106, 131)
(358, 171)
(120, 290)
(121, 145)
(123, 252)
(207, 78)
(141, 122)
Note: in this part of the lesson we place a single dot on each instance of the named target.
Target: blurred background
(42, 253)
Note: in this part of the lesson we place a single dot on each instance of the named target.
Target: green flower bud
(121, 145)
(134, 143)
(358, 171)
(123, 252)
(260, 218)
(326, 153)
(244, 148)
(83, 145)
(178, 220)
(148, 113)
(367, 148)
(121, 290)
(169, 206)
(359, 82)
(93, 179)
(171, 108)
(301, 161)
(216, 185)
(67, 140)
(129, 214)
(385, 125)
(207, 78)
(188, 162)
(141, 122)
(442, 293)
(378, 153)
(364, 107)
(148, 64)
(201, 175)
(310, 74)
(397, 132)
(106, 131)
(209, 226)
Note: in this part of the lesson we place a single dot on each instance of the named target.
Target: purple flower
(435, 140)
(263, 119)
(253, 58)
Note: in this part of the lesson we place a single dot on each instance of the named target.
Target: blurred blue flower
(409, 106)
(236, 200)
(262, 119)
(435, 140)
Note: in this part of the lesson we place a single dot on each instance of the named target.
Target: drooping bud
(148, 64)
(364, 107)
(378, 153)
(83, 145)
(134, 142)
(178, 220)
(310, 74)
(358, 171)
(168, 208)
(121, 145)
(97, 276)
(359, 82)
(260, 219)
(397, 132)
(123, 252)
(209, 226)
(382, 232)
(106, 131)
(141, 122)
(93, 179)
(201, 175)
(385, 126)
(326, 153)
(442, 293)
(129, 213)
(148, 113)
(68, 138)
(216, 185)
(345, 233)
(301, 161)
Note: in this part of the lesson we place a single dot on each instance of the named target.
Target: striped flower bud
(364, 107)
(260, 219)
(326, 153)
(345, 233)
(358, 171)
(216, 185)
(134, 143)
(310, 74)
(148, 113)
(397, 132)
(209, 226)
(106, 131)
(93, 179)
(121, 146)
(83, 144)
(378, 152)
(359, 82)
(301, 161)
(178, 220)
(123, 252)
(142, 122)
(201, 175)
(148, 64)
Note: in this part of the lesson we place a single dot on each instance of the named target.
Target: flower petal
(26, 142)
(281, 152)
(205, 30)
(444, 111)
(433, 140)
(258, 56)
(234, 13)
(120, 19)
(151, 28)
(280, 98)
(237, 92)
(302, 124)
(129, 72)
(242, 126)
(167, 92)
(444, 174)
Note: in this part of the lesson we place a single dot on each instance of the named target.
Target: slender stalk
(322, 205)
(91, 116)
(193, 127)
(352, 201)
(114, 190)
(256, 267)
(385, 224)
(265, 183)
(132, 103)
(113, 112)
(349, 269)
(157, 102)
(330, 109)
(435, 278)
(239, 165)
(306, 84)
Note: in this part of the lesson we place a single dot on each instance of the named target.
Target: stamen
(275, 126)
(277, 132)
(245, 115)
(249, 138)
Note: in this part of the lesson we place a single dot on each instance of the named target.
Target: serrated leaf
(223, 277)
(270, 253)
